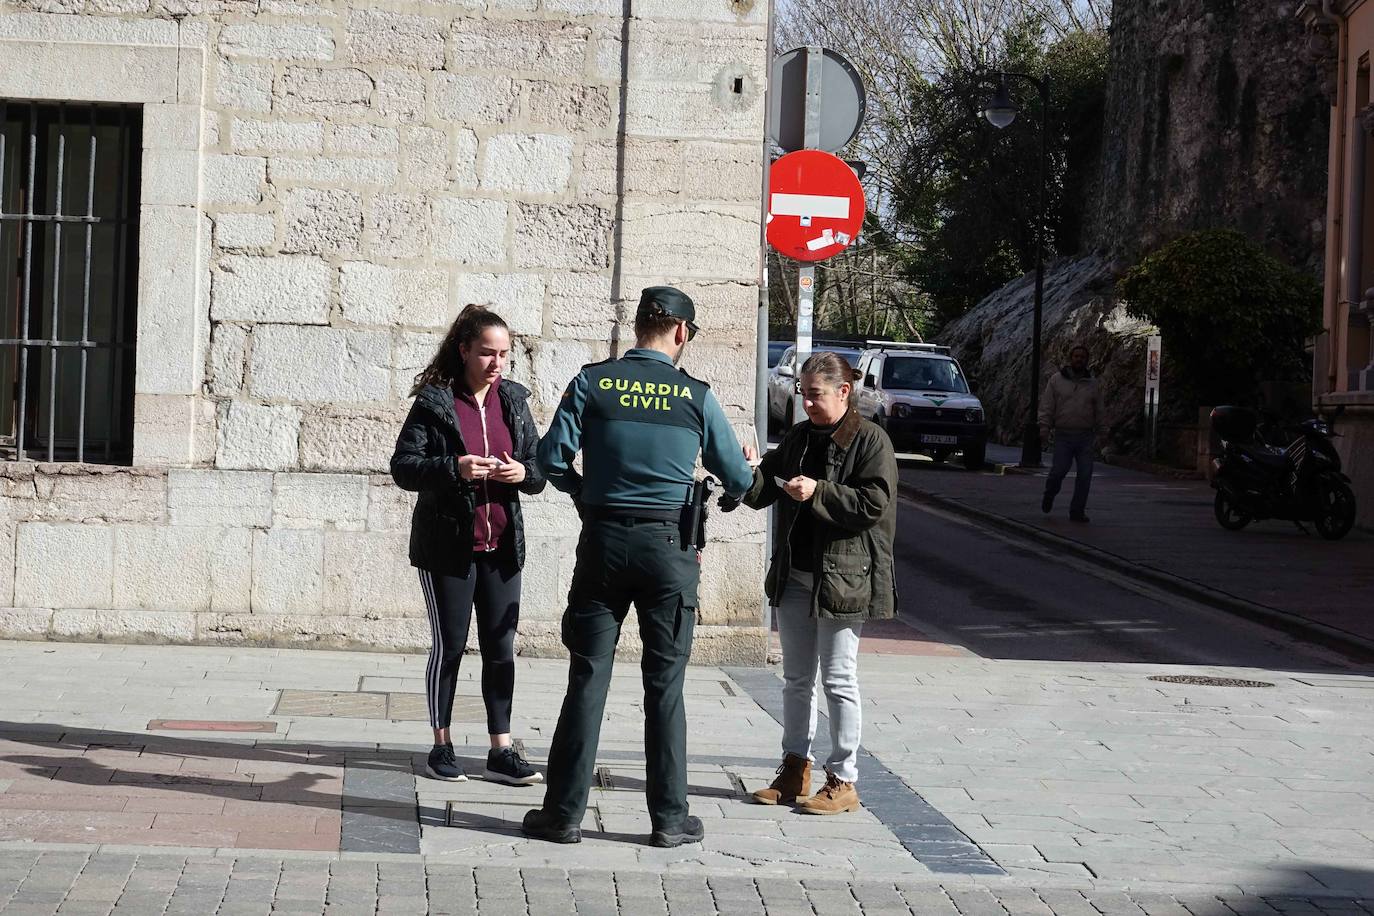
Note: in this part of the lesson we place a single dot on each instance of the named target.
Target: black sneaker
(1046, 503)
(689, 831)
(504, 764)
(538, 826)
(1079, 517)
(443, 764)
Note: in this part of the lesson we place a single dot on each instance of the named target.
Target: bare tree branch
(896, 45)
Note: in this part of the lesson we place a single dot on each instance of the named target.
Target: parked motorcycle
(1301, 482)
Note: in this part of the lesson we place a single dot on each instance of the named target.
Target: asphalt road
(1007, 599)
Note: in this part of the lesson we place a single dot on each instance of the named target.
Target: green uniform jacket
(856, 520)
(640, 424)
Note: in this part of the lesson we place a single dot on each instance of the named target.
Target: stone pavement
(991, 787)
(176, 884)
(1166, 526)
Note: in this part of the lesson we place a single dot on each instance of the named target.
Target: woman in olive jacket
(468, 448)
(834, 479)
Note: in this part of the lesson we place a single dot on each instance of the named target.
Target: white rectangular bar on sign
(814, 205)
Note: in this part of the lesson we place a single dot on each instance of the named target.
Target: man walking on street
(639, 423)
(1072, 409)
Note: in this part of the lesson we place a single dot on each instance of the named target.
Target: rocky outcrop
(993, 342)
(1212, 120)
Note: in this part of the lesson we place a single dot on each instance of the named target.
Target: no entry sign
(815, 205)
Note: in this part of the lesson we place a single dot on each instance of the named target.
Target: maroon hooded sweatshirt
(485, 433)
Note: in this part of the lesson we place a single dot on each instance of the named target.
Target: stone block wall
(326, 184)
(1351, 414)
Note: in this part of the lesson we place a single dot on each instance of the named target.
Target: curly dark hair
(447, 364)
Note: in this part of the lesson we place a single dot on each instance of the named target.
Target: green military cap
(670, 301)
(666, 300)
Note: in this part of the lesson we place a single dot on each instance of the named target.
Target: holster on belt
(693, 524)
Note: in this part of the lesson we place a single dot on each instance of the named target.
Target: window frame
(173, 421)
(40, 173)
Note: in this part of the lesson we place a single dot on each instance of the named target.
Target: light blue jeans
(831, 647)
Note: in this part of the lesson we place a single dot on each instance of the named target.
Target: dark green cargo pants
(619, 562)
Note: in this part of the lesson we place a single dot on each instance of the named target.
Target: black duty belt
(632, 514)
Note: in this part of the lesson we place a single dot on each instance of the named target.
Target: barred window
(69, 184)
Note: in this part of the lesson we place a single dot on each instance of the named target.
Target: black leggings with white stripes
(492, 585)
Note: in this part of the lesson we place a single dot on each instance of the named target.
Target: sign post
(827, 92)
(1153, 356)
(806, 279)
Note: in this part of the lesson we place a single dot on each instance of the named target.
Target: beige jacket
(1073, 404)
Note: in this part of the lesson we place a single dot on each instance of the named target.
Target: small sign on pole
(1154, 354)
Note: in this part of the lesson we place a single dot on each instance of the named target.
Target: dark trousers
(1072, 447)
(492, 585)
(619, 562)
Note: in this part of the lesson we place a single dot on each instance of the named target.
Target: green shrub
(1231, 315)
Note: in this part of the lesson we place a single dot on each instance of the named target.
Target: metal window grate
(69, 183)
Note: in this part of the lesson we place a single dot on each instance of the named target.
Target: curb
(1357, 647)
(1158, 470)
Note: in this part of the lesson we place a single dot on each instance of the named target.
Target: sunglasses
(691, 330)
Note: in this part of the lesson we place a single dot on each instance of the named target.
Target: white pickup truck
(918, 393)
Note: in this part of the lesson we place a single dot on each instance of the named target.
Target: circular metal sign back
(842, 100)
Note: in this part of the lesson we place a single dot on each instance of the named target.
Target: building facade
(232, 232)
(1342, 33)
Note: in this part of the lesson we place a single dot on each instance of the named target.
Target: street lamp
(1000, 112)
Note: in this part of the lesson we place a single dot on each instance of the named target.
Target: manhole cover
(1198, 680)
(411, 707)
(414, 707)
(331, 704)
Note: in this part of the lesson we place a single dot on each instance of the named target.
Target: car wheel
(975, 455)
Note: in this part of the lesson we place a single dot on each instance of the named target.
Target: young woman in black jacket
(468, 449)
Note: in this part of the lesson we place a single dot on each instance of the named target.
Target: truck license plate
(939, 440)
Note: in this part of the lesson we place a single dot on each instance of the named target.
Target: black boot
(538, 826)
(688, 831)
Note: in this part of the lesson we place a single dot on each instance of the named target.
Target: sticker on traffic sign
(815, 205)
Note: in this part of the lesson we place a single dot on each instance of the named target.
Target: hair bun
(856, 374)
(472, 310)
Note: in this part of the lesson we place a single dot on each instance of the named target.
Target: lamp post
(1001, 110)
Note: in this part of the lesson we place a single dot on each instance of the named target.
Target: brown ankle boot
(836, 798)
(793, 783)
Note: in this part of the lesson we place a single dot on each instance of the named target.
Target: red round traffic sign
(815, 205)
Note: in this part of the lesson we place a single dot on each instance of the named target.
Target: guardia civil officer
(639, 423)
